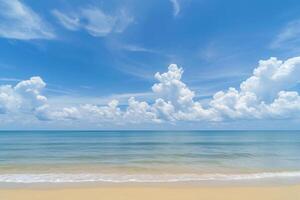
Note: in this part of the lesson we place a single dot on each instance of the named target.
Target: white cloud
(233, 104)
(46, 113)
(68, 21)
(171, 88)
(30, 91)
(134, 48)
(123, 20)
(176, 7)
(26, 98)
(5, 79)
(288, 37)
(272, 76)
(164, 110)
(96, 22)
(286, 105)
(18, 21)
(174, 93)
(8, 99)
(138, 112)
(100, 114)
(266, 94)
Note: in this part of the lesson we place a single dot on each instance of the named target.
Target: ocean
(148, 156)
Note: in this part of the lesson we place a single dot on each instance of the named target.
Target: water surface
(66, 156)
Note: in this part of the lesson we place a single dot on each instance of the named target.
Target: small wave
(139, 178)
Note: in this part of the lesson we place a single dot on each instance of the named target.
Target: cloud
(96, 22)
(46, 113)
(271, 77)
(136, 112)
(286, 105)
(233, 105)
(25, 96)
(70, 22)
(139, 112)
(30, 92)
(135, 48)
(288, 37)
(266, 94)
(8, 99)
(18, 21)
(171, 88)
(9, 79)
(176, 7)
(98, 114)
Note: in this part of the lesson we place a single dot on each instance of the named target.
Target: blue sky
(93, 52)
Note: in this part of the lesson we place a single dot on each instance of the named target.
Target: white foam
(139, 178)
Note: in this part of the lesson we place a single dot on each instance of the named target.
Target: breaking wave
(139, 178)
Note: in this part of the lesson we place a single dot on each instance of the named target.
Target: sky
(161, 64)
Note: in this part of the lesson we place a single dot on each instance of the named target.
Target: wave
(139, 178)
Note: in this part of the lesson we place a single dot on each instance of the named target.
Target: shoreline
(90, 179)
(267, 183)
(157, 192)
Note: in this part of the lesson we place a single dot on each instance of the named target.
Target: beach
(149, 100)
(153, 192)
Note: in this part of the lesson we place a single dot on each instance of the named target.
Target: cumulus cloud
(8, 99)
(26, 98)
(233, 104)
(286, 105)
(18, 21)
(271, 77)
(177, 97)
(266, 94)
(171, 88)
(46, 113)
(96, 22)
(95, 113)
(262, 93)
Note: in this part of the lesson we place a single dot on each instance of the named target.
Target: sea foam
(140, 178)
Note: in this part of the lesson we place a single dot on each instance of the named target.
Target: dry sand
(155, 193)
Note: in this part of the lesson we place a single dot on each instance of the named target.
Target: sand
(155, 193)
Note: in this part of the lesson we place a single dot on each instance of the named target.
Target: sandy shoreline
(291, 192)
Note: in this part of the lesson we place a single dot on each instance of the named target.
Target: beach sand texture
(155, 193)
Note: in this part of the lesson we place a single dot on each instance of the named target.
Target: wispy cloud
(136, 48)
(137, 69)
(18, 21)
(117, 45)
(68, 21)
(94, 20)
(5, 79)
(288, 37)
(176, 7)
(59, 90)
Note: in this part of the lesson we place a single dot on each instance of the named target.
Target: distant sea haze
(148, 156)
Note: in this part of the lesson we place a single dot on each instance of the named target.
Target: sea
(52, 157)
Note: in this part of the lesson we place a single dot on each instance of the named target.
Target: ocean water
(148, 156)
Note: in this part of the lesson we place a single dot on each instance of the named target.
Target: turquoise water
(147, 156)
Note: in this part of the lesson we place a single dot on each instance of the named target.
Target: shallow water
(147, 156)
